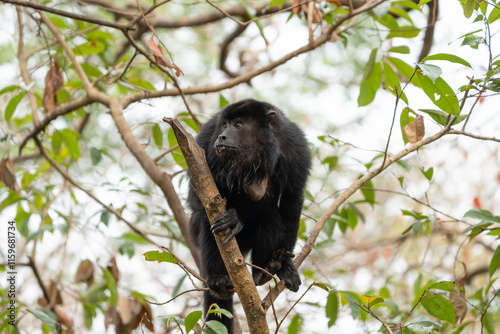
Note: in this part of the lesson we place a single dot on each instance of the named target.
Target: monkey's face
(237, 139)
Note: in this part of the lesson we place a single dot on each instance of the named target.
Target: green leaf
(405, 69)
(477, 227)
(468, 7)
(354, 301)
(296, 325)
(406, 3)
(473, 41)
(9, 89)
(448, 57)
(222, 101)
(70, 139)
(95, 155)
(22, 219)
(372, 78)
(443, 285)
(157, 135)
(89, 48)
(494, 15)
(428, 173)
(135, 238)
(177, 153)
(390, 77)
(214, 326)
(142, 83)
(489, 323)
(388, 21)
(47, 317)
(160, 257)
(112, 287)
(439, 307)
(105, 216)
(371, 300)
(91, 70)
(12, 104)
(404, 32)
(495, 261)
(441, 117)
(369, 194)
(192, 319)
(432, 71)
(400, 12)
(400, 49)
(440, 94)
(332, 308)
(215, 309)
(482, 215)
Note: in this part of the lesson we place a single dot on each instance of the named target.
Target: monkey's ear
(271, 116)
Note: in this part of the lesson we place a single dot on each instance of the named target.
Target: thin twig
(185, 267)
(180, 294)
(398, 97)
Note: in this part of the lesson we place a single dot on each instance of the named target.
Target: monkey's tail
(226, 304)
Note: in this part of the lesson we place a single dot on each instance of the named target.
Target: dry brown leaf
(335, 2)
(54, 295)
(53, 82)
(160, 58)
(64, 319)
(459, 302)
(113, 269)
(85, 272)
(132, 312)
(7, 174)
(317, 15)
(415, 130)
(296, 10)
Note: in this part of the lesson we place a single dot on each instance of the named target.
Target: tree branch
(215, 206)
(81, 17)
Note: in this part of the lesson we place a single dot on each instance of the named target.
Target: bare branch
(468, 134)
(55, 113)
(85, 18)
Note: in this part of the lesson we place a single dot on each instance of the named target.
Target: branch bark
(215, 206)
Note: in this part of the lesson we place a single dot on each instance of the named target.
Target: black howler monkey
(260, 162)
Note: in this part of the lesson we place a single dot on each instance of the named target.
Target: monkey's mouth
(226, 149)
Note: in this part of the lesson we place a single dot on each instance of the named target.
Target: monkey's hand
(228, 220)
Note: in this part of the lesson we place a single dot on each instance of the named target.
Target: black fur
(247, 143)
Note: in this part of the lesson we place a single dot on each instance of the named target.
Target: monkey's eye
(238, 125)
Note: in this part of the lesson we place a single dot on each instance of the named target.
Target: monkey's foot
(273, 266)
(289, 274)
(221, 284)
